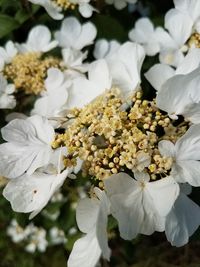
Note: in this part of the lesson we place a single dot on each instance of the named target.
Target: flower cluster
(92, 120)
(33, 237)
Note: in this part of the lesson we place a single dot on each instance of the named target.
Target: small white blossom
(39, 40)
(74, 35)
(138, 205)
(54, 10)
(145, 34)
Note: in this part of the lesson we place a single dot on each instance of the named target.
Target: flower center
(64, 4)
(28, 71)
(111, 136)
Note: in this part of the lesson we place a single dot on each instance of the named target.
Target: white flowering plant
(100, 133)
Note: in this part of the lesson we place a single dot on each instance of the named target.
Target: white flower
(84, 7)
(186, 155)
(180, 95)
(74, 35)
(160, 73)
(37, 240)
(39, 40)
(31, 193)
(51, 8)
(16, 232)
(54, 10)
(104, 48)
(179, 26)
(55, 96)
(145, 34)
(7, 100)
(91, 216)
(73, 60)
(57, 236)
(7, 54)
(28, 146)
(120, 4)
(182, 221)
(125, 65)
(138, 205)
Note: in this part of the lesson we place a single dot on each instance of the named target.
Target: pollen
(64, 4)
(28, 71)
(194, 41)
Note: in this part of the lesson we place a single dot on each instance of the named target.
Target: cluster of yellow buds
(112, 135)
(28, 71)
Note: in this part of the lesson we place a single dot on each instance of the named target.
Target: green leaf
(7, 25)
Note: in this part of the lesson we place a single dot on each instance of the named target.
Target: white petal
(86, 252)
(39, 40)
(70, 31)
(182, 221)
(83, 92)
(125, 66)
(166, 148)
(187, 171)
(192, 113)
(99, 74)
(86, 214)
(178, 92)
(50, 8)
(101, 48)
(188, 146)
(86, 10)
(28, 147)
(102, 221)
(190, 62)
(132, 206)
(119, 183)
(142, 31)
(15, 160)
(105, 49)
(179, 25)
(152, 48)
(165, 39)
(190, 7)
(31, 193)
(173, 57)
(18, 131)
(75, 35)
(164, 193)
(87, 36)
(159, 74)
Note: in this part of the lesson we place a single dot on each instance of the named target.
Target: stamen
(64, 4)
(194, 41)
(28, 71)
